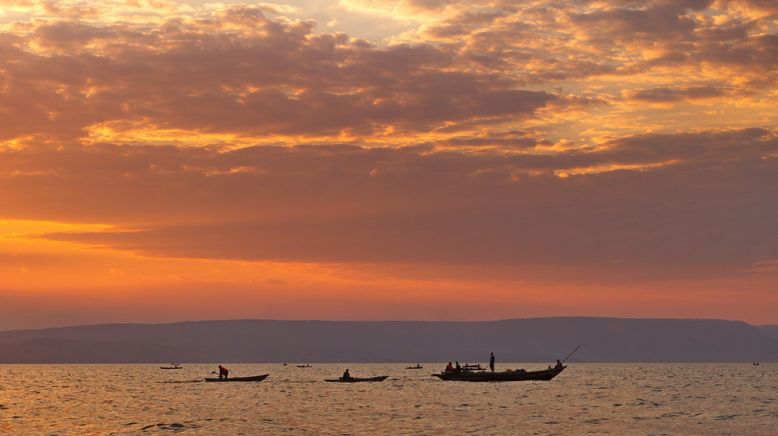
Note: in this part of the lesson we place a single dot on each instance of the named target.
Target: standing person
(491, 362)
(223, 372)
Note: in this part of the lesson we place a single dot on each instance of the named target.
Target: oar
(571, 353)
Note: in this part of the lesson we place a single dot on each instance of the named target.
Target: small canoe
(172, 366)
(503, 376)
(304, 366)
(414, 367)
(380, 378)
(254, 378)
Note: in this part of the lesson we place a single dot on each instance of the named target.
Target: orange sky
(374, 159)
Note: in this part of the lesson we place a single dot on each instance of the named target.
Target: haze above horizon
(164, 160)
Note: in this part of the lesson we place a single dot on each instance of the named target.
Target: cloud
(230, 71)
(469, 120)
(239, 72)
(676, 93)
(660, 20)
(648, 201)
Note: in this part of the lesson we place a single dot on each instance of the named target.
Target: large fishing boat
(477, 374)
(502, 376)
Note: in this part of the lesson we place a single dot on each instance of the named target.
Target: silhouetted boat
(415, 367)
(254, 378)
(756, 363)
(304, 366)
(172, 366)
(503, 376)
(380, 378)
(476, 367)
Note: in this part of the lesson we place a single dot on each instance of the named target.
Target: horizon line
(378, 321)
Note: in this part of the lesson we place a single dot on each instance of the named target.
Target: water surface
(584, 399)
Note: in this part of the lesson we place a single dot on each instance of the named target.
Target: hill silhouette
(515, 340)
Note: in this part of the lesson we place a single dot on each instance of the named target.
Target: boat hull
(255, 378)
(359, 379)
(504, 376)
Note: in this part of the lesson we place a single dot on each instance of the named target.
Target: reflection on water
(585, 398)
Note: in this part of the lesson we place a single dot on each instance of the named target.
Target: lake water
(585, 399)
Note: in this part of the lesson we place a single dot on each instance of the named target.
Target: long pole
(571, 353)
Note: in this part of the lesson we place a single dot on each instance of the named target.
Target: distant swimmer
(491, 362)
(223, 372)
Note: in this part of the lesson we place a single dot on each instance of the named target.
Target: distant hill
(770, 331)
(517, 340)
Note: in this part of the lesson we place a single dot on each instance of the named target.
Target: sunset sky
(375, 159)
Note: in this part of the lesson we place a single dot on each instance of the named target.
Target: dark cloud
(661, 22)
(708, 205)
(240, 72)
(676, 93)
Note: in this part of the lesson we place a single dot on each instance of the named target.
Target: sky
(170, 160)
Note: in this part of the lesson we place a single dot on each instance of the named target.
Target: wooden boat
(172, 366)
(503, 376)
(415, 367)
(380, 378)
(305, 366)
(253, 378)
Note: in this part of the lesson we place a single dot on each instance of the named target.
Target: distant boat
(476, 367)
(756, 363)
(359, 379)
(254, 378)
(415, 367)
(503, 376)
(307, 365)
(172, 366)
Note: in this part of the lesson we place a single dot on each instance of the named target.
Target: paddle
(571, 353)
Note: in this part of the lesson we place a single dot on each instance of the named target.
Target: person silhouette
(491, 362)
